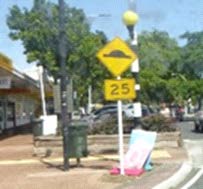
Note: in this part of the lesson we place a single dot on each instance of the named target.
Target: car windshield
(105, 109)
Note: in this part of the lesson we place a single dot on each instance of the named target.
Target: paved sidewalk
(21, 170)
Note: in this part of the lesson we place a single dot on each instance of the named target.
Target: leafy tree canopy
(168, 72)
(38, 29)
(192, 56)
(157, 51)
(159, 57)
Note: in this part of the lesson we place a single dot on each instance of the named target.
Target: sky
(173, 16)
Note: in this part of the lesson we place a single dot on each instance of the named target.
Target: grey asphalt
(188, 134)
(187, 131)
(198, 184)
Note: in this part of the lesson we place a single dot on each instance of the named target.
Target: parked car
(110, 111)
(128, 111)
(198, 120)
(105, 110)
(101, 113)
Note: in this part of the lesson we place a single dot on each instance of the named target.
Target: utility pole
(63, 81)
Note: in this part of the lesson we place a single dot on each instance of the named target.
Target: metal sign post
(120, 133)
(117, 57)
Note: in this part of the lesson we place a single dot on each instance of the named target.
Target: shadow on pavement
(94, 165)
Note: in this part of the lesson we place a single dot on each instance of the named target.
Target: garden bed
(98, 144)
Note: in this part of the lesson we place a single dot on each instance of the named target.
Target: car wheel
(123, 114)
(196, 127)
(181, 118)
(201, 126)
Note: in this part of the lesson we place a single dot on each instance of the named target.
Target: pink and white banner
(140, 148)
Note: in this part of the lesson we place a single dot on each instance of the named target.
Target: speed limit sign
(122, 89)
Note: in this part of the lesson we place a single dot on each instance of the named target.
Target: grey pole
(64, 108)
(135, 70)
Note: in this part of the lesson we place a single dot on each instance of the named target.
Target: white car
(128, 111)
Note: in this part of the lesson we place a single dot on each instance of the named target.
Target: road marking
(193, 180)
(160, 154)
(45, 160)
(155, 154)
(72, 172)
(19, 162)
(176, 178)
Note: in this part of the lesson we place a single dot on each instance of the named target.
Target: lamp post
(130, 18)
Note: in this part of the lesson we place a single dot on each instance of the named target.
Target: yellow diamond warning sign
(116, 56)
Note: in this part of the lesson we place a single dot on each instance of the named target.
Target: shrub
(109, 125)
(158, 123)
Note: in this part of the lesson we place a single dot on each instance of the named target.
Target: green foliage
(86, 68)
(157, 51)
(109, 125)
(192, 56)
(33, 29)
(159, 56)
(153, 87)
(158, 123)
(38, 29)
(168, 72)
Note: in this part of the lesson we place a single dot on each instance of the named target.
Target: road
(188, 133)
(198, 184)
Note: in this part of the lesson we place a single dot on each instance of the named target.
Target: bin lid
(78, 124)
(37, 120)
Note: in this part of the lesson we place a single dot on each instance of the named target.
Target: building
(19, 97)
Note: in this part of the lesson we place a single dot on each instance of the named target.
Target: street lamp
(130, 18)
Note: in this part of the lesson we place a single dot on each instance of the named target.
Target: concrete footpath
(20, 170)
